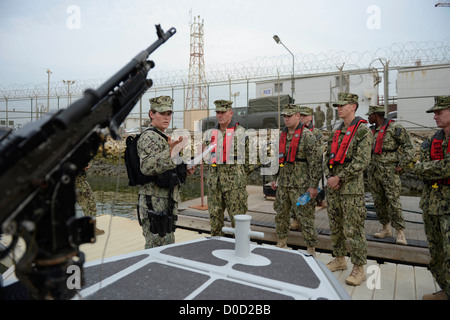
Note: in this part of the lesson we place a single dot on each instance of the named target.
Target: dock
(393, 272)
(263, 220)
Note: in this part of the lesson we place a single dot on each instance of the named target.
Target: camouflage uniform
(319, 118)
(227, 181)
(85, 196)
(329, 116)
(435, 205)
(293, 179)
(153, 150)
(384, 181)
(346, 208)
(320, 141)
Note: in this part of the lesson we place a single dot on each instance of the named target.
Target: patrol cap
(440, 103)
(305, 110)
(375, 109)
(161, 104)
(289, 109)
(345, 98)
(223, 105)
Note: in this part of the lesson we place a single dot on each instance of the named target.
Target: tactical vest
(438, 154)
(292, 152)
(338, 152)
(167, 179)
(378, 147)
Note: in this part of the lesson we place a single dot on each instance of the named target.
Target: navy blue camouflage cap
(440, 103)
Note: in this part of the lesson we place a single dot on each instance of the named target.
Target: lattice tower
(196, 90)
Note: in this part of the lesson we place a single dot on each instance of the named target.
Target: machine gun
(38, 167)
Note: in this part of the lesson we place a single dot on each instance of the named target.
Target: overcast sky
(92, 39)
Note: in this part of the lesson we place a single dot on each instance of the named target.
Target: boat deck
(397, 281)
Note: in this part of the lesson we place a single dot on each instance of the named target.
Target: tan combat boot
(357, 276)
(311, 251)
(440, 295)
(401, 239)
(282, 243)
(385, 232)
(337, 263)
(295, 225)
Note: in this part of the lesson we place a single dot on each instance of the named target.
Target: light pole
(278, 40)
(48, 89)
(68, 82)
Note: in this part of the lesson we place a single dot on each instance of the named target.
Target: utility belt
(161, 223)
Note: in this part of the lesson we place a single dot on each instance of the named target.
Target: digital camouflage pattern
(319, 117)
(346, 208)
(289, 109)
(345, 98)
(293, 179)
(227, 181)
(85, 196)
(161, 104)
(159, 205)
(384, 181)
(223, 105)
(440, 103)
(436, 212)
(153, 150)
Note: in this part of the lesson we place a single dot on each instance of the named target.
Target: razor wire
(260, 68)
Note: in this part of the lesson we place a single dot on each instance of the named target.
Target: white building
(317, 89)
(416, 89)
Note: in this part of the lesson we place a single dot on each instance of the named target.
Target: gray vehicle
(261, 113)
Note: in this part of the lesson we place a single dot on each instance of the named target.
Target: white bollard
(242, 234)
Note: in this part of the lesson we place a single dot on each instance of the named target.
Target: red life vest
(378, 148)
(292, 152)
(438, 154)
(338, 152)
(227, 142)
(310, 127)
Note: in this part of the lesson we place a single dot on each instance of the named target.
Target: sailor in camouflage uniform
(348, 155)
(300, 172)
(434, 169)
(154, 150)
(228, 170)
(85, 198)
(306, 117)
(392, 151)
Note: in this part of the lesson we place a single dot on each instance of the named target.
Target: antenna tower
(196, 91)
